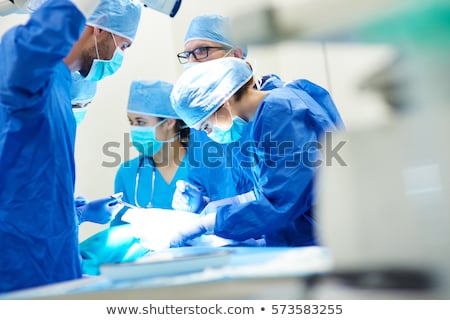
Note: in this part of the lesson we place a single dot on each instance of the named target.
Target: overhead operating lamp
(167, 7)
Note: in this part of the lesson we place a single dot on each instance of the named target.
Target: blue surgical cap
(82, 90)
(214, 28)
(206, 86)
(120, 17)
(151, 98)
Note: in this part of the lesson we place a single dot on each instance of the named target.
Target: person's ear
(170, 123)
(238, 52)
(228, 104)
(96, 31)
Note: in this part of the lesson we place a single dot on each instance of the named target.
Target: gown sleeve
(286, 134)
(31, 51)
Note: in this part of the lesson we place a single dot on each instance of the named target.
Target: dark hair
(184, 131)
(182, 128)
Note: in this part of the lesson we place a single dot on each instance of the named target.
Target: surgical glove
(80, 201)
(203, 225)
(188, 198)
(99, 211)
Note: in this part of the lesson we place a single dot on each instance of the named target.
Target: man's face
(106, 45)
(208, 50)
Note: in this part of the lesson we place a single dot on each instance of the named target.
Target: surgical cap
(214, 28)
(204, 87)
(82, 91)
(151, 98)
(120, 17)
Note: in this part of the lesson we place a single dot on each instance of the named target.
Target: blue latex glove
(98, 211)
(188, 198)
(80, 201)
(203, 225)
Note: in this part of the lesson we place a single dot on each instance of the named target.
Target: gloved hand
(158, 229)
(203, 225)
(188, 198)
(99, 211)
(80, 201)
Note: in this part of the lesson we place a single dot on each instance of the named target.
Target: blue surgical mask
(144, 139)
(103, 68)
(79, 114)
(229, 135)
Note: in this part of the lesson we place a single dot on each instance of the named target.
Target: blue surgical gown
(162, 195)
(283, 169)
(38, 226)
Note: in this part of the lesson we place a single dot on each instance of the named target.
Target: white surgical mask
(187, 65)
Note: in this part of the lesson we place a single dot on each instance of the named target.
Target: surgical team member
(161, 138)
(102, 210)
(213, 175)
(147, 181)
(38, 224)
(287, 125)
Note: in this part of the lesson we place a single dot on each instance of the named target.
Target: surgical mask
(144, 139)
(233, 133)
(79, 114)
(193, 63)
(189, 64)
(103, 68)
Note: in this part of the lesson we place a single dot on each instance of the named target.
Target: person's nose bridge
(191, 57)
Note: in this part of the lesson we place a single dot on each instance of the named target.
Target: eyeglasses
(199, 53)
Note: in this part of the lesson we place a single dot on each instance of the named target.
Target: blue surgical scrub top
(38, 226)
(286, 128)
(162, 195)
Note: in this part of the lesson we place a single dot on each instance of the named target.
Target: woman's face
(141, 120)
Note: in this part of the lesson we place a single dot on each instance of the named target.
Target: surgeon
(161, 138)
(38, 221)
(102, 210)
(213, 173)
(147, 181)
(287, 126)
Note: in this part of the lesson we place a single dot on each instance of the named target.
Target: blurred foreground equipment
(386, 215)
